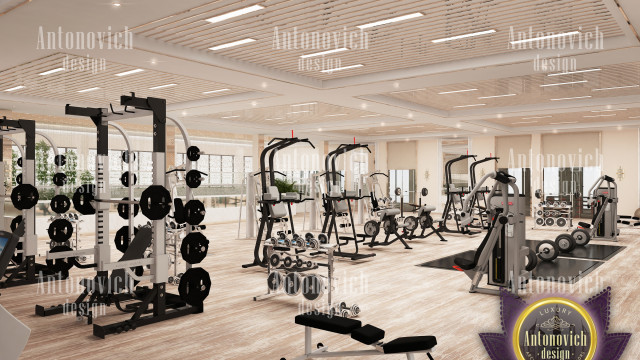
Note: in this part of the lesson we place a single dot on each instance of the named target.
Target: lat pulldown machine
(454, 199)
(604, 202)
(479, 200)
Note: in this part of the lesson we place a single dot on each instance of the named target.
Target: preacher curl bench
(368, 335)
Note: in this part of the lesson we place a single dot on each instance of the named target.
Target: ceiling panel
(612, 115)
(392, 46)
(65, 85)
(530, 89)
(399, 130)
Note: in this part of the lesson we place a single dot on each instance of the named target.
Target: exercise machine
(480, 198)
(502, 254)
(603, 199)
(454, 200)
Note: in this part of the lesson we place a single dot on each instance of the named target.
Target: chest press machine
(603, 199)
(502, 253)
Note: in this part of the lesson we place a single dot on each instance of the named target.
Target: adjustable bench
(368, 335)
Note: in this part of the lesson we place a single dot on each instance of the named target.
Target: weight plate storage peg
(193, 153)
(59, 179)
(19, 179)
(194, 247)
(123, 209)
(194, 286)
(122, 238)
(194, 212)
(124, 179)
(60, 265)
(60, 204)
(82, 199)
(155, 202)
(15, 222)
(60, 230)
(24, 196)
(60, 160)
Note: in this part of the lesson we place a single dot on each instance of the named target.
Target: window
(248, 164)
(405, 180)
(227, 169)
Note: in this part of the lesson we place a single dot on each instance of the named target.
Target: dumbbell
(175, 280)
(345, 311)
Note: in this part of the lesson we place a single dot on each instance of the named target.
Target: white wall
(620, 150)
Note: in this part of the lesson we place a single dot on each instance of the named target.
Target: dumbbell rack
(323, 249)
(550, 214)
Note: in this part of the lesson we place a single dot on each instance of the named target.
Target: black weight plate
(125, 156)
(60, 230)
(323, 239)
(194, 212)
(60, 160)
(561, 222)
(19, 161)
(287, 262)
(371, 228)
(24, 196)
(299, 263)
(193, 153)
(123, 209)
(398, 191)
(532, 260)
(193, 178)
(124, 179)
(581, 236)
(122, 238)
(426, 221)
(566, 243)
(155, 202)
(19, 179)
(82, 198)
(60, 204)
(292, 284)
(194, 247)
(312, 287)
(540, 221)
(194, 286)
(549, 221)
(274, 260)
(424, 192)
(59, 179)
(15, 222)
(60, 265)
(411, 222)
(547, 250)
(539, 212)
(274, 281)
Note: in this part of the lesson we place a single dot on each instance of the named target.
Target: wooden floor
(392, 291)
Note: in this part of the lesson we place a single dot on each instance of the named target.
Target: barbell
(155, 201)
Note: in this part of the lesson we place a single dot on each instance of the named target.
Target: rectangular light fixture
(392, 20)
(370, 115)
(303, 104)
(574, 72)
(299, 112)
(524, 122)
(384, 131)
(537, 117)
(602, 115)
(336, 115)
(87, 90)
(215, 91)
(52, 71)
(162, 86)
(286, 122)
(607, 110)
(230, 117)
(545, 37)
(456, 91)
(634, 117)
(565, 83)
(342, 68)
(413, 127)
(496, 96)
(15, 88)
(134, 71)
(232, 44)
(571, 98)
(471, 105)
(463, 36)
(617, 87)
(332, 51)
(563, 122)
(235, 13)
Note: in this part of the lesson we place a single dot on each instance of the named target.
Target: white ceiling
(395, 94)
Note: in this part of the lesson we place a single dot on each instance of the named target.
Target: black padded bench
(367, 334)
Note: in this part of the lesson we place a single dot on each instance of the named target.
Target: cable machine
(454, 199)
(479, 199)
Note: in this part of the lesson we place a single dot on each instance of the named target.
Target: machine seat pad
(428, 208)
(389, 212)
(464, 264)
(326, 322)
(368, 334)
(584, 225)
(410, 344)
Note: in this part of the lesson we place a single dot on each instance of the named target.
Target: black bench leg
(430, 357)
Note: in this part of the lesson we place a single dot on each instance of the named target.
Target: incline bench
(368, 334)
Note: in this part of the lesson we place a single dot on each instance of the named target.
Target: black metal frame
(483, 215)
(449, 206)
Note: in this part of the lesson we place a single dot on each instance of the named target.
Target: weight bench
(368, 335)
(426, 222)
(388, 219)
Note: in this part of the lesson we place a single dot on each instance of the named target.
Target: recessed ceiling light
(232, 44)
(335, 114)
(608, 110)
(463, 36)
(471, 105)
(484, 130)
(392, 20)
(617, 87)
(235, 13)
(332, 51)
(342, 68)
(162, 86)
(456, 91)
(130, 72)
(574, 72)
(319, 129)
(370, 115)
(303, 104)
(458, 126)
(536, 117)
(619, 127)
(571, 98)
(116, 4)
(15, 88)
(87, 90)
(555, 131)
(565, 83)
(601, 115)
(524, 122)
(52, 71)
(215, 91)
(230, 117)
(496, 96)
(563, 122)
(544, 37)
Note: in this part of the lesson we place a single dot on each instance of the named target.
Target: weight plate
(563, 204)
(124, 179)
(312, 287)
(424, 192)
(60, 230)
(193, 178)
(15, 222)
(19, 179)
(193, 153)
(60, 160)
(323, 239)
(398, 191)
(195, 286)
(123, 209)
(532, 261)
(287, 262)
(194, 212)
(371, 228)
(126, 157)
(547, 250)
(411, 222)
(274, 260)
(60, 265)
(566, 243)
(274, 281)
(194, 247)
(299, 263)
(540, 221)
(292, 284)
(539, 212)
(122, 239)
(60, 204)
(59, 179)
(313, 244)
(561, 222)
(426, 221)
(155, 202)
(549, 221)
(581, 236)
(24, 196)
(82, 198)
(19, 161)
(308, 236)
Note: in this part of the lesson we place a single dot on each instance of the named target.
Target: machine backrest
(136, 249)
(8, 244)
(276, 210)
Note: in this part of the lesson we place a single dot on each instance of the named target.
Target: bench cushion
(409, 344)
(368, 334)
(584, 225)
(326, 322)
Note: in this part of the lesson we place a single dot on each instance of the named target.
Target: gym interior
(310, 179)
